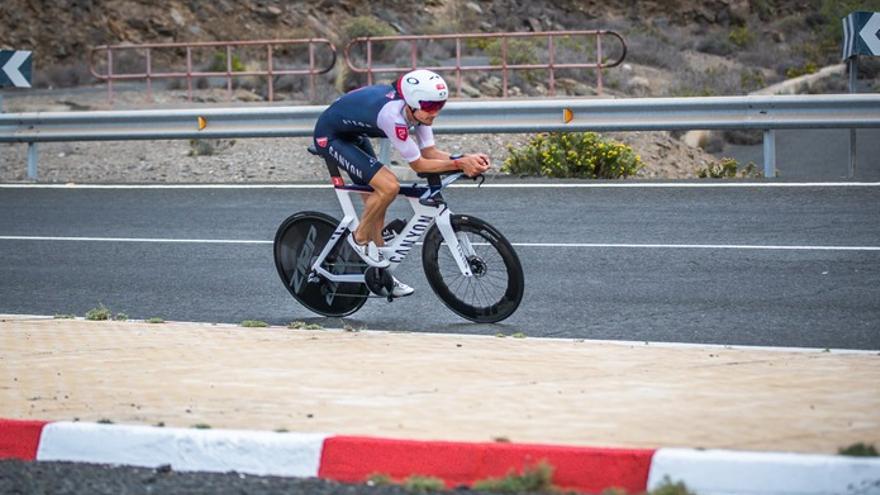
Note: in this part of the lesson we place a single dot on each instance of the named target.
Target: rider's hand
(473, 165)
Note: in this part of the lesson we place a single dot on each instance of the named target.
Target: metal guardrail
(768, 113)
(229, 73)
(504, 65)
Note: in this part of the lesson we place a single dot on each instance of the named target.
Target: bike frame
(428, 208)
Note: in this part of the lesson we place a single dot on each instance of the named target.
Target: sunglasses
(431, 106)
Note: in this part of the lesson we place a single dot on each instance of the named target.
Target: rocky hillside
(676, 47)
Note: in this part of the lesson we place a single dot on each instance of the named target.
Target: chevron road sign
(15, 68)
(861, 34)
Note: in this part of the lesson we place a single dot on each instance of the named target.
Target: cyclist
(397, 112)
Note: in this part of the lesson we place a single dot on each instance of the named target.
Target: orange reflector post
(202, 123)
(567, 115)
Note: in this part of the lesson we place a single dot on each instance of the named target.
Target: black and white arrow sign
(15, 68)
(861, 34)
(870, 34)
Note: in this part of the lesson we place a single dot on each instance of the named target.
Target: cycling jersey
(372, 111)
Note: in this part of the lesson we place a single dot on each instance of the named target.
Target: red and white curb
(353, 459)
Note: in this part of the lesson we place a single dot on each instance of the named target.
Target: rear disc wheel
(298, 242)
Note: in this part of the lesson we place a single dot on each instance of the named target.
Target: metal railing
(149, 74)
(504, 38)
(768, 113)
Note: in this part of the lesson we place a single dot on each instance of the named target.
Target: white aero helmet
(423, 90)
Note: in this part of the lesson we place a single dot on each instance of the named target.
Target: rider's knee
(386, 185)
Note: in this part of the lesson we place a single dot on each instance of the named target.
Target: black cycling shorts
(354, 154)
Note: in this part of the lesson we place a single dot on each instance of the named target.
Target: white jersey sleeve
(425, 135)
(390, 120)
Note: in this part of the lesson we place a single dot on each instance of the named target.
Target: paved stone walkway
(430, 386)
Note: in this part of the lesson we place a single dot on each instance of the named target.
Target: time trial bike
(469, 264)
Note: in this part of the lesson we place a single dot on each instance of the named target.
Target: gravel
(65, 478)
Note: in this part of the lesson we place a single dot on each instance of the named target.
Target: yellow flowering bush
(573, 155)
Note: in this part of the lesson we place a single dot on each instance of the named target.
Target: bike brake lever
(481, 178)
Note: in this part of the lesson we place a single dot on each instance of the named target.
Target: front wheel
(496, 288)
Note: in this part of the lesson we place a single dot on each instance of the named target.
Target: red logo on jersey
(389, 95)
(401, 131)
(441, 86)
(322, 142)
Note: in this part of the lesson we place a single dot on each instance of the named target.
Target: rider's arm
(433, 153)
(424, 164)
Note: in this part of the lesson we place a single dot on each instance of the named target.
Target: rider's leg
(385, 186)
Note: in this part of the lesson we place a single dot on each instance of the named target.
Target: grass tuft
(100, 313)
(301, 325)
(423, 484)
(379, 479)
(154, 319)
(859, 450)
(61, 316)
(537, 478)
(254, 324)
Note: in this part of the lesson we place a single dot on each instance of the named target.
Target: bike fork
(461, 249)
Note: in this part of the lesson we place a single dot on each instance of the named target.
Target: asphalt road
(743, 265)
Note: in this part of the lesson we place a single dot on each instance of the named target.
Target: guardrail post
(32, 161)
(769, 153)
(853, 66)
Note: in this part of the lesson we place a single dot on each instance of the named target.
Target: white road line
(517, 244)
(131, 239)
(698, 246)
(611, 185)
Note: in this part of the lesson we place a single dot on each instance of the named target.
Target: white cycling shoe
(368, 252)
(401, 289)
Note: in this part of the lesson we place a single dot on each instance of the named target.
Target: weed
(254, 324)
(667, 487)
(201, 426)
(741, 37)
(726, 168)
(218, 63)
(61, 316)
(301, 325)
(105, 421)
(859, 450)
(349, 328)
(537, 478)
(121, 317)
(160, 424)
(154, 319)
(100, 313)
(519, 335)
(379, 479)
(573, 155)
(500, 335)
(282, 430)
(423, 484)
(808, 68)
